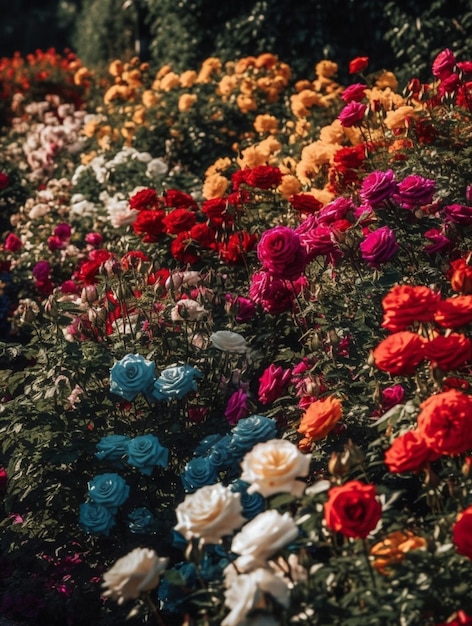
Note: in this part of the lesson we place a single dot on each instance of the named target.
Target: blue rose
(213, 563)
(146, 452)
(141, 520)
(172, 594)
(251, 430)
(176, 382)
(112, 448)
(206, 444)
(220, 456)
(95, 518)
(252, 503)
(131, 375)
(109, 490)
(198, 473)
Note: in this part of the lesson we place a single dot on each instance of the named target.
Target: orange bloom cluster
(319, 419)
(393, 547)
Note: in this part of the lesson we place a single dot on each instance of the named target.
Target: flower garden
(236, 362)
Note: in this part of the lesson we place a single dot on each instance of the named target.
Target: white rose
(138, 571)
(246, 592)
(273, 466)
(188, 309)
(210, 513)
(156, 167)
(227, 341)
(261, 538)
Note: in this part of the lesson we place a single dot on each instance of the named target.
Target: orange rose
(409, 453)
(400, 353)
(461, 276)
(320, 418)
(445, 422)
(405, 304)
(393, 548)
(454, 312)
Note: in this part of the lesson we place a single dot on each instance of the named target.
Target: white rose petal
(273, 467)
(227, 341)
(138, 571)
(210, 513)
(262, 537)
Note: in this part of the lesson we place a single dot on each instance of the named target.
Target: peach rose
(274, 466)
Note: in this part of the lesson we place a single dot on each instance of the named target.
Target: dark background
(403, 35)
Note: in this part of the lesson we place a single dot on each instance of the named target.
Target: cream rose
(210, 513)
(138, 571)
(227, 341)
(273, 467)
(188, 309)
(261, 538)
(246, 592)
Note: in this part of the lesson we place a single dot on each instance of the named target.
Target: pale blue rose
(176, 382)
(198, 473)
(132, 375)
(95, 518)
(109, 490)
(112, 447)
(145, 452)
(251, 430)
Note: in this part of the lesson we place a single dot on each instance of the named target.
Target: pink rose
(379, 246)
(415, 191)
(320, 241)
(377, 187)
(94, 239)
(244, 309)
(281, 253)
(443, 64)
(272, 383)
(439, 242)
(334, 211)
(273, 294)
(352, 114)
(391, 396)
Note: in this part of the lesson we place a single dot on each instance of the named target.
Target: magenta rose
(243, 308)
(272, 383)
(458, 214)
(334, 211)
(320, 241)
(439, 242)
(281, 253)
(352, 114)
(12, 243)
(354, 93)
(443, 64)
(391, 396)
(94, 239)
(273, 294)
(237, 407)
(377, 187)
(415, 191)
(449, 85)
(379, 246)
(41, 270)
(63, 231)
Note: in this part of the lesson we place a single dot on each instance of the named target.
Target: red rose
(236, 248)
(149, 224)
(400, 353)
(404, 305)
(358, 64)
(89, 268)
(12, 243)
(263, 177)
(448, 353)
(445, 422)
(179, 200)
(204, 236)
(179, 220)
(409, 453)
(458, 619)
(133, 258)
(183, 249)
(305, 203)
(454, 312)
(353, 509)
(144, 199)
(4, 180)
(462, 533)
(217, 211)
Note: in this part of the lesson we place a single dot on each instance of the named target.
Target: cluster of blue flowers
(134, 374)
(107, 492)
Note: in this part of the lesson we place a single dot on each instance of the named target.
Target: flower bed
(237, 358)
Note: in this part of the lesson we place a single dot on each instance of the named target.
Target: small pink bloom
(379, 246)
(12, 243)
(272, 383)
(352, 114)
(237, 407)
(443, 64)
